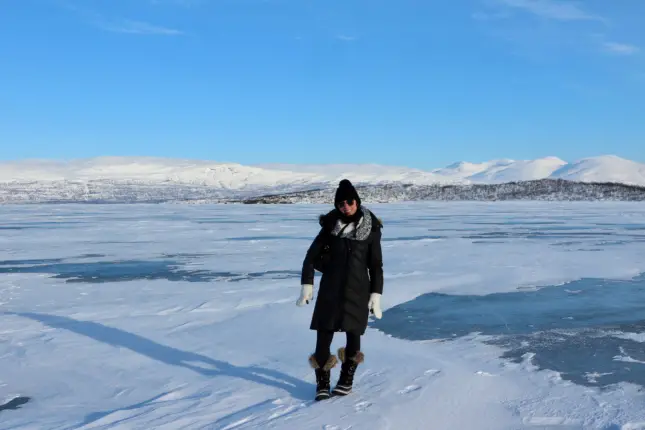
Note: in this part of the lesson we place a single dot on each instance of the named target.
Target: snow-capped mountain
(603, 169)
(236, 176)
(362, 173)
(518, 171)
(148, 170)
(163, 179)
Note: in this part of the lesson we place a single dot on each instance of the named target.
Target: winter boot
(323, 376)
(347, 370)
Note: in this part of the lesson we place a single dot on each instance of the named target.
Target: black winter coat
(354, 271)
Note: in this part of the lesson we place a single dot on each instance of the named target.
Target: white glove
(306, 295)
(374, 305)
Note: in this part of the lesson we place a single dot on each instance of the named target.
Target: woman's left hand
(374, 305)
(306, 295)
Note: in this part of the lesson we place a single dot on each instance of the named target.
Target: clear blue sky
(405, 82)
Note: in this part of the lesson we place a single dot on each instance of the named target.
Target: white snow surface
(234, 176)
(162, 354)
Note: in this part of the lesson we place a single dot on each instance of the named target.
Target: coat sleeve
(308, 271)
(375, 264)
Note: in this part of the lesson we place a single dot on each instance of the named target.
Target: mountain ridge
(238, 177)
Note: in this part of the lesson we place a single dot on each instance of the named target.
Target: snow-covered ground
(184, 317)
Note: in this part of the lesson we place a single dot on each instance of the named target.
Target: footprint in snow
(416, 387)
(361, 406)
(410, 389)
(553, 422)
(428, 374)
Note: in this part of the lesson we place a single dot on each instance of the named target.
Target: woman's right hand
(306, 295)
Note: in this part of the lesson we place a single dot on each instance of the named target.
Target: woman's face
(348, 207)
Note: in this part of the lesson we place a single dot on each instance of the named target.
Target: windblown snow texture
(168, 316)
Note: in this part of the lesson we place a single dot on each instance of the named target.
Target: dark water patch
(119, 242)
(187, 255)
(452, 229)
(564, 227)
(44, 261)
(14, 403)
(224, 221)
(169, 217)
(407, 238)
(552, 224)
(258, 238)
(432, 218)
(39, 225)
(627, 240)
(298, 219)
(273, 274)
(487, 242)
(537, 235)
(30, 262)
(587, 357)
(520, 223)
(568, 243)
(569, 328)
(491, 235)
(637, 227)
(612, 242)
(397, 221)
(132, 270)
(569, 235)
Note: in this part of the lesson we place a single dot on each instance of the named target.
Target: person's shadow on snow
(113, 336)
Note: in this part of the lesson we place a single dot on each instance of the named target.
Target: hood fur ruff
(333, 223)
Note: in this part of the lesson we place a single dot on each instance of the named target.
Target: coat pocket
(323, 259)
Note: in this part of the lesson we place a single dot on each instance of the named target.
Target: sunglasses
(348, 202)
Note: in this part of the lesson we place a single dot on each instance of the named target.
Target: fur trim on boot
(358, 358)
(323, 376)
(330, 364)
(347, 371)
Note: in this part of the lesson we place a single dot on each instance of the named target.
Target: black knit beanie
(346, 191)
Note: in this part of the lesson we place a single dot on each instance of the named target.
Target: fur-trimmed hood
(331, 222)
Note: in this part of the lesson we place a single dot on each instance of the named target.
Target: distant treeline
(543, 189)
(140, 192)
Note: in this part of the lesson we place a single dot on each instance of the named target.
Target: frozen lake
(591, 331)
(528, 315)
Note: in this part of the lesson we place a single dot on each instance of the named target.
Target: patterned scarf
(355, 231)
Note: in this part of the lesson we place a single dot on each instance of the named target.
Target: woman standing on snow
(347, 250)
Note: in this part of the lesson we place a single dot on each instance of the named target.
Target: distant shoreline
(112, 192)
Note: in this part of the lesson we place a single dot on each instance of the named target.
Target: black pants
(323, 345)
